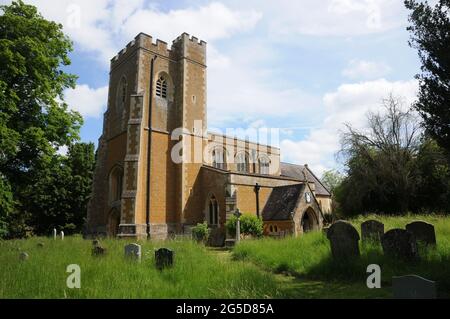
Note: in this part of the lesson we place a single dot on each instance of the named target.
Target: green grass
(267, 268)
(309, 256)
(197, 273)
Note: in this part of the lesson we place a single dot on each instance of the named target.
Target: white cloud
(242, 89)
(348, 104)
(89, 102)
(211, 22)
(103, 27)
(367, 70)
(289, 19)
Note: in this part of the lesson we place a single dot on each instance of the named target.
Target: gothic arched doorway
(113, 223)
(309, 221)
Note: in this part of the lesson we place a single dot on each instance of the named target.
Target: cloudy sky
(303, 66)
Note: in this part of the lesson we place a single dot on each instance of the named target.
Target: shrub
(201, 232)
(250, 225)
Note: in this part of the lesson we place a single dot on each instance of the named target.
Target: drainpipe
(149, 147)
(257, 188)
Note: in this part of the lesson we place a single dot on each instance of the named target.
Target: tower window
(161, 87)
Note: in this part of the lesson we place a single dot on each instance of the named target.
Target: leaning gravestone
(424, 232)
(133, 251)
(163, 258)
(344, 240)
(98, 251)
(372, 230)
(400, 243)
(413, 287)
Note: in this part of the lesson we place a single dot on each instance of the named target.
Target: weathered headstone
(424, 232)
(400, 243)
(133, 251)
(54, 233)
(413, 287)
(23, 256)
(216, 238)
(372, 230)
(98, 251)
(343, 239)
(163, 258)
(62, 235)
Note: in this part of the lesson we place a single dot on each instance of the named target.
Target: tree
(59, 198)
(430, 35)
(380, 162)
(433, 184)
(332, 179)
(34, 119)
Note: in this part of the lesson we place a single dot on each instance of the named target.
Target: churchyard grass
(197, 273)
(309, 256)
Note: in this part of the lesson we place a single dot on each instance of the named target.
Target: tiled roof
(296, 171)
(281, 202)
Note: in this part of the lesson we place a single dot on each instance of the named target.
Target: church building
(157, 114)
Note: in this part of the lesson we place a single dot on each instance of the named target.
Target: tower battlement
(183, 46)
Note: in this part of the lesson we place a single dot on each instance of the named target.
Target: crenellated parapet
(183, 46)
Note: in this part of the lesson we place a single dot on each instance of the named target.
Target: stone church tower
(138, 190)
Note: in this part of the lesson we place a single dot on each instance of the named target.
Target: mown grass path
(297, 287)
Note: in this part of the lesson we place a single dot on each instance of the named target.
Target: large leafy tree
(35, 181)
(430, 35)
(380, 162)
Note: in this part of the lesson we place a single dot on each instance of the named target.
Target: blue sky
(303, 66)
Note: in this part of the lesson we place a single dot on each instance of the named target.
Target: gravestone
(163, 258)
(133, 251)
(54, 233)
(23, 256)
(343, 239)
(98, 251)
(62, 235)
(400, 243)
(372, 230)
(424, 232)
(413, 287)
(216, 238)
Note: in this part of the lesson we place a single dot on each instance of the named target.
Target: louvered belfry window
(161, 87)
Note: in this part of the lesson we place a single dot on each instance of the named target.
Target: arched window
(213, 211)
(242, 162)
(161, 87)
(218, 158)
(264, 164)
(115, 184)
(121, 94)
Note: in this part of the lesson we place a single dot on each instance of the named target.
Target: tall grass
(197, 273)
(309, 256)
